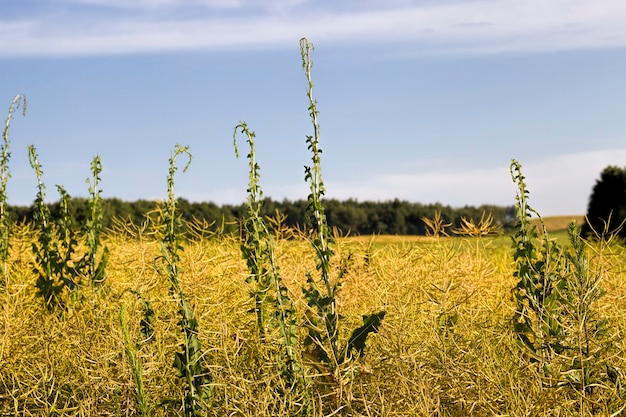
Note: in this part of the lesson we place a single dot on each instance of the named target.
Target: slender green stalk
(322, 340)
(322, 328)
(134, 362)
(5, 155)
(47, 257)
(255, 243)
(96, 271)
(589, 344)
(322, 239)
(189, 363)
(66, 242)
(269, 292)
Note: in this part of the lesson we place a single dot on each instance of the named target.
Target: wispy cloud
(479, 26)
(121, 4)
(559, 185)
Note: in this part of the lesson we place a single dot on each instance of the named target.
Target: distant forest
(349, 216)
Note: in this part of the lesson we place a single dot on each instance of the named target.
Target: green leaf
(371, 324)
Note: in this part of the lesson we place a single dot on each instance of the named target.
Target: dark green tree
(606, 210)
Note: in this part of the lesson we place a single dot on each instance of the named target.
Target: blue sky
(426, 101)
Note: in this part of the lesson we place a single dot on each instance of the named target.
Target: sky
(422, 100)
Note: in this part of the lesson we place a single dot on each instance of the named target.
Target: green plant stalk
(324, 326)
(285, 319)
(96, 271)
(255, 238)
(584, 290)
(538, 293)
(47, 257)
(67, 242)
(5, 155)
(188, 363)
(257, 249)
(314, 175)
(141, 399)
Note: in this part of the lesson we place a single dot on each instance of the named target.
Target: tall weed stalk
(48, 259)
(134, 362)
(94, 269)
(67, 242)
(586, 364)
(556, 319)
(5, 221)
(272, 305)
(255, 246)
(189, 363)
(322, 339)
(132, 347)
(540, 288)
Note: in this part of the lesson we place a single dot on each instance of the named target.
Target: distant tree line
(357, 218)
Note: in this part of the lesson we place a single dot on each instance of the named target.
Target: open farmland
(446, 345)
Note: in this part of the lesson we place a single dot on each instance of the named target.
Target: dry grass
(558, 223)
(445, 347)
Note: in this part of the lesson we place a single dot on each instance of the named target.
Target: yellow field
(559, 223)
(446, 346)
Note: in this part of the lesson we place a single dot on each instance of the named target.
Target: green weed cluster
(322, 349)
(59, 262)
(557, 319)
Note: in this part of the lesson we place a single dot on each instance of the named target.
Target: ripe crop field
(164, 318)
(446, 345)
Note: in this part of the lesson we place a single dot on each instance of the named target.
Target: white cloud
(558, 185)
(464, 27)
(152, 5)
(122, 4)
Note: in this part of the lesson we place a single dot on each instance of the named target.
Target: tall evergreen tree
(607, 204)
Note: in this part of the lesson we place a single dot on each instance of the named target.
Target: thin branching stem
(189, 363)
(5, 221)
